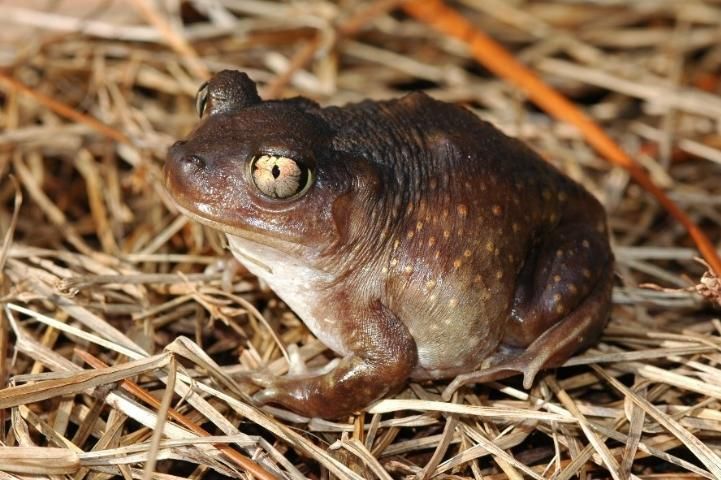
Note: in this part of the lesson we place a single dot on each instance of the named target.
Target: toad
(412, 238)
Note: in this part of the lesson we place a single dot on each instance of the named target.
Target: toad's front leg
(383, 354)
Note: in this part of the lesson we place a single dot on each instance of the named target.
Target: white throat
(295, 282)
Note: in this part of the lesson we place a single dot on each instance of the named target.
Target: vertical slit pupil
(275, 171)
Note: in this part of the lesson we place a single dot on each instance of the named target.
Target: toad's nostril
(194, 162)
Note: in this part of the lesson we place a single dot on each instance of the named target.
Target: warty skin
(412, 238)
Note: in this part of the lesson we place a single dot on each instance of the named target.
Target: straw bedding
(121, 331)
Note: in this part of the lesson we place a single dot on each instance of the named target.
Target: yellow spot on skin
(453, 302)
(556, 278)
(410, 234)
(408, 269)
(477, 279)
(457, 263)
(444, 213)
(438, 254)
(559, 253)
(431, 241)
(499, 274)
(572, 288)
(430, 284)
(432, 298)
(586, 273)
(462, 210)
(490, 246)
(467, 253)
(419, 226)
(586, 244)
(515, 227)
(394, 262)
(446, 233)
(497, 210)
(497, 252)
(557, 297)
(395, 244)
(560, 309)
(384, 269)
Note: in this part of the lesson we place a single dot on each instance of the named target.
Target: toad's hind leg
(562, 304)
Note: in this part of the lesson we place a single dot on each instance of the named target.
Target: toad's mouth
(248, 236)
(245, 256)
(252, 240)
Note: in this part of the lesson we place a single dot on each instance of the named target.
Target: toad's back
(467, 208)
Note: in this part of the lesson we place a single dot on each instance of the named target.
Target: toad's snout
(184, 173)
(182, 162)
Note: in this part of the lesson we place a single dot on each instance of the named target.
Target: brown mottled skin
(427, 245)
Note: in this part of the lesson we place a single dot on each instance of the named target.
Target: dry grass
(117, 315)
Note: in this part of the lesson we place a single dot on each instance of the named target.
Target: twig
(64, 110)
(135, 389)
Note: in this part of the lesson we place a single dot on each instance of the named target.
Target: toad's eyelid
(279, 157)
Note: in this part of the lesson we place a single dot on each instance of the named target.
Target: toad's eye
(280, 177)
(201, 98)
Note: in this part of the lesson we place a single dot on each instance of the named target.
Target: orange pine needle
(499, 61)
(135, 389)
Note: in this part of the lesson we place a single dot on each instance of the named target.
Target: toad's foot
(577, 330)
(382, 357)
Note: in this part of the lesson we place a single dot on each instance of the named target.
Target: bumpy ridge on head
(230, 91)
